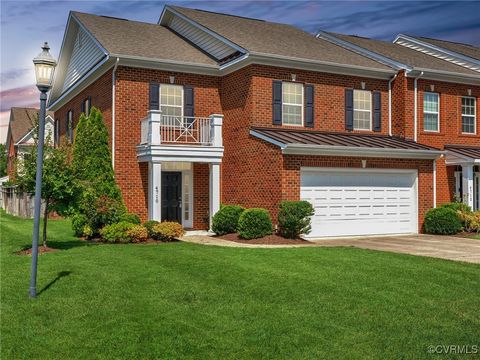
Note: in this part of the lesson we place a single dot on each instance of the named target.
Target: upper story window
(362, 110)
(171, 100)
(292, 104)
(469, 115)
(431, 112)
(69, 125)
(86, 106)
(56, 132)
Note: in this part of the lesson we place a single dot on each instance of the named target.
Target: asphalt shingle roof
(262, 37)
(21, 121)
(139, 39)
(404, 54)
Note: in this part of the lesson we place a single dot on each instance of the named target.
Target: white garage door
(351, 202)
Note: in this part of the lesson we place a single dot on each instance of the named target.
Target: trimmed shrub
(79, 221)
(458, 206)
(470, 220)
(149, 226)
(294, 218)
(131, 218)
(168, 231)
(118, 232)
(137, 233)
(442, 221)
(225, 221)
(254, 223)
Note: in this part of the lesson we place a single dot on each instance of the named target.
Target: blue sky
(25, 25)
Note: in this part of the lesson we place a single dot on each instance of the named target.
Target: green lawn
(182, 300)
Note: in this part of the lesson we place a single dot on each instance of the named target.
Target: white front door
(351, 202)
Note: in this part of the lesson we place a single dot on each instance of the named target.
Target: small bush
(254, 223)
(470, 220)
(149, 226)
(294, 218)
(225, 221)
(168, 231)
(131, 218)
(443, 221)
(79, 221)
(137, 233)
(457, 206)
(118, 232)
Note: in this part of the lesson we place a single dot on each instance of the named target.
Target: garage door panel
(360, 203)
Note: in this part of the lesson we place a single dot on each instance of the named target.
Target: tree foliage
(3, 160)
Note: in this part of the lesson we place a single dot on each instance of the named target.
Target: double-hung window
(362, 110)
(469, 118)
(292, 104)
(431, 112)
(171, 103)
(86, 106)
(69, 127)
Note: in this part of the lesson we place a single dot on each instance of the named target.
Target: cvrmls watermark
(453, 349)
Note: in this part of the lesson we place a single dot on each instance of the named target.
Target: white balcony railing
(158, 129)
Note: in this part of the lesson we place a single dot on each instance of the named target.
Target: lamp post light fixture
(44, 68)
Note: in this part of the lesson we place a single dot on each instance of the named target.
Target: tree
(58, 185)
(3, 160)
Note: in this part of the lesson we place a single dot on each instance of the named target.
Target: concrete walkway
(443, 247)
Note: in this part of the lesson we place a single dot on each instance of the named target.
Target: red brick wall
(201, 185)
(131, 105)
(11, 158)
(292, 164)
(329, 90)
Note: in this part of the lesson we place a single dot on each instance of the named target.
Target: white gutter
(390, 104)
(435, 183)
(415, 101)
(113, 112)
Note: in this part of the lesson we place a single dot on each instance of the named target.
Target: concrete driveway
(443, 247)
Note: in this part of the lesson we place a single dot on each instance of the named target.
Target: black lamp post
(44, 67)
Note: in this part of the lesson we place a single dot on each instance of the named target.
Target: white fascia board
(187, 153)
(362, 51)
(309, 65)
(82, 83)
(201, 27)
(445, 76)
(437, 48)
(453, 158)
(167, 65)
(327, 150)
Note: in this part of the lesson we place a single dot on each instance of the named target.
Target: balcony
(180, 138)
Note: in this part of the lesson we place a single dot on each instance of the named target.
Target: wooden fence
(17, 203)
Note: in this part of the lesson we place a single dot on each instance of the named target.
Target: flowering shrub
(137, 233)
(168, 231)
(470, 220)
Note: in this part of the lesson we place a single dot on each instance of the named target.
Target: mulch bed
(41, 250)
(266, 240)
(148, 241)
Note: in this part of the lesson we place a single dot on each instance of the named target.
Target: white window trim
(432, 112)
(474, 115)
(362, 110)
(290, 104)
(182, 118)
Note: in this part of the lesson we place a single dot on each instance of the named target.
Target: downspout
(415, 116)
(390, 104)
(113, 112)
(435, 183)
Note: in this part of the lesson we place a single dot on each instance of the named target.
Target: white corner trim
(435, 183)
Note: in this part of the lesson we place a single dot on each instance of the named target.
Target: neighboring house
(206, 108)
(20, 135)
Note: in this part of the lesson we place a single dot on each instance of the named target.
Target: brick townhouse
(206, 108)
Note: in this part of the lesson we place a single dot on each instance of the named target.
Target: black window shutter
(309, 99)
(82, 108)
(71, 128)
(89, 105)
(349, 109)
(188, 101)
(377, 113)
(56, 132)
(67, 126)
(154, 97)
(277, 103)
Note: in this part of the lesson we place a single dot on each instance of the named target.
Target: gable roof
(260, 37)
(411, 58)
(21, 122)
(463, 49)
(121, 37)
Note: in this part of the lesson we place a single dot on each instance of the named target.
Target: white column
(154, 191)
(467, 179)
(154, 129)
(214, 192)
(216, 130)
